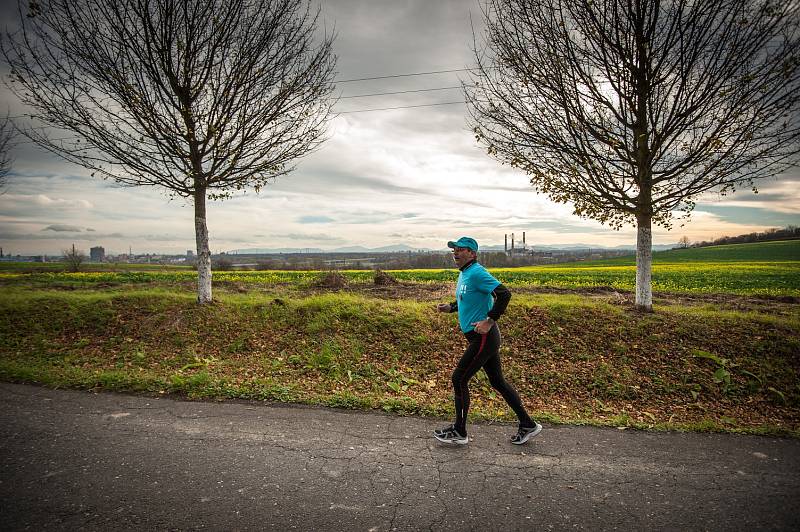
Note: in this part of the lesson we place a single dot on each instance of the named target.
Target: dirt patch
(384, 279)
(230, 286)
(765, 304)
(332, 279)
(60, 286)
(400, 290)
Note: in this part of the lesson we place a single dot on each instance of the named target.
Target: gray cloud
(314, 219)
(164, 237)
(378, 38)
(368, 217)
(328, 183)
(62, 228)
(55, 237)
(523, 189)
(522, 223)
(308, 237)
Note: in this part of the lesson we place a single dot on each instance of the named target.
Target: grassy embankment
(712, 363)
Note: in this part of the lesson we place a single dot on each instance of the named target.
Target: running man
(480, 301)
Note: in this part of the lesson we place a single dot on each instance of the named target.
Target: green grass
(758, 252)
(777, 279)
(572, 358)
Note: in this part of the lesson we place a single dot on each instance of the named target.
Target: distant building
(517, 250)
(97, 254)
(189, 254)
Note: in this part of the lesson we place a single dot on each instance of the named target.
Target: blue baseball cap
(464, 242)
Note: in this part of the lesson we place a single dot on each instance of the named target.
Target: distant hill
(266, 251)
(399, 248)
(573, 247)
(349, 249)
(384, 249)
(778, 251)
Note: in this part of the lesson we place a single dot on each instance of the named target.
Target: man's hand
(443, 307)
(483, 327)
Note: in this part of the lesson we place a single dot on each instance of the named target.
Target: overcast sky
(407, 176)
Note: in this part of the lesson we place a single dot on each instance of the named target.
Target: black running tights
(483, 351)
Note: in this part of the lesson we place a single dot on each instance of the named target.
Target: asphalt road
(74, 460)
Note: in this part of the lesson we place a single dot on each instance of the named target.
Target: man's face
(462, 256)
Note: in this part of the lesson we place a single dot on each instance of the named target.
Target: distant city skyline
(412, 176)
(190, 253)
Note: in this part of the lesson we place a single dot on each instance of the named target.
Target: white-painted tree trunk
(203, 253)
(644, 264)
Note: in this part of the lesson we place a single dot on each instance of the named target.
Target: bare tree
(74, 258)
(200, 97)
(683, 242)
(6, 142)
(631, 109)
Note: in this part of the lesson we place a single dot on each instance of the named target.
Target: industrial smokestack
(505, 245)
(512, 241)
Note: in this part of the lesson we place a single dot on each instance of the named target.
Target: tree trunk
(203, 253)
(644, 263)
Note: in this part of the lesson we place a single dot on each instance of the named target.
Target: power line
(398, 92)
(29, 141)
(400, 107)
(74, 139)
(405, 75)
(373, 94)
